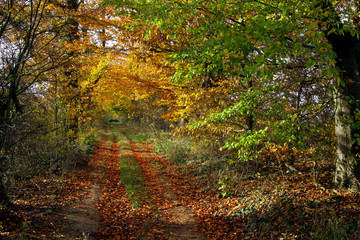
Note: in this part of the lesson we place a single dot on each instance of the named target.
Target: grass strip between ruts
(131, 174)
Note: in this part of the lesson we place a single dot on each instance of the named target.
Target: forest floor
(129, 192)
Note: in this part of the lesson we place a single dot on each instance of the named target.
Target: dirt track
(107, 212)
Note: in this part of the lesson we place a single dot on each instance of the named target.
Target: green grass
(131, 177)
(131, 174)
(137, 137)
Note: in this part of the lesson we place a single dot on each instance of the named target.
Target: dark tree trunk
(72, 73)
(347, 100)
(4, 199)
(250, 117)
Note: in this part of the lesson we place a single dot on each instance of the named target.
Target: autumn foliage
(227, 122)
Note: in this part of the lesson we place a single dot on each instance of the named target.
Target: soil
(175, 221)
(181, 223)
(84, 220)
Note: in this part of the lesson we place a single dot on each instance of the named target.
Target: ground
(127, 191)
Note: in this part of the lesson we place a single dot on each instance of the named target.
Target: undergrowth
(271, 197)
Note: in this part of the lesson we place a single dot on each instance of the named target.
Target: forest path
(125, 192)
(84, 217)
(174, 219)
(137, 198)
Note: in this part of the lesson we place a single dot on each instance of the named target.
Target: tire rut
(175, 220)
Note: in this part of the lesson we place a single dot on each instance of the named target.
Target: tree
(54, 54)
(27, 35)
(262, 43)
(92, 38)
(343, 34)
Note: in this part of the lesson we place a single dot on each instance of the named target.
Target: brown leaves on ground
(119, 220)
(41, 205)
(274, 204)
(151, 219)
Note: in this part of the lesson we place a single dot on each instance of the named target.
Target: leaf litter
(175, 204)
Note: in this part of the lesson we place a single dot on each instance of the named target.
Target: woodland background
(239, 93)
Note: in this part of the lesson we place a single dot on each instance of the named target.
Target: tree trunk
(250, 117)
(347, 101)
(4, 199)
(72, 72)
(347, 169)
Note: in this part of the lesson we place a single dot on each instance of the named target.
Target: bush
(176, 150)
(33, 144)
(212, 167)
(331, 227)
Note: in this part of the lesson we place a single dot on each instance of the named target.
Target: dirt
(181, 223)
(174, 220)
(84, 219)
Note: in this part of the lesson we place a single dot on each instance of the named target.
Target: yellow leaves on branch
(127, 79)
(103, 70)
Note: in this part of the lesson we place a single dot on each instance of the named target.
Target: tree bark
(250, 117)
(347, 98)
(4, 199)
(72, 73)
